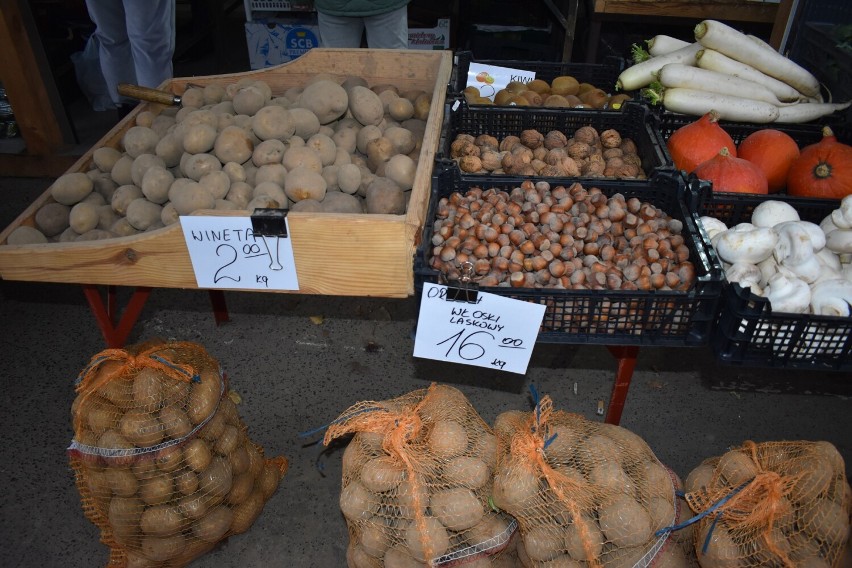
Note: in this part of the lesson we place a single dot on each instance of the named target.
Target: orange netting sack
(163, 462)
(416, 483)
(771, 504)
(584, 493)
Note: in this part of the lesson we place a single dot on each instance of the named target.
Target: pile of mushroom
(800, 267)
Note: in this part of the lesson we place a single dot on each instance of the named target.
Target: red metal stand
(105, 314)
(626, 356)
(220, 309)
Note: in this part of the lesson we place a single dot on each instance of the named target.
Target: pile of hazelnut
(586, 153)
(538, 236)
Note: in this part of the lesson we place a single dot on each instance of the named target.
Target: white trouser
(137, 41)
(385, 31)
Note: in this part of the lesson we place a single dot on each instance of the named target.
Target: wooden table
(775, 14)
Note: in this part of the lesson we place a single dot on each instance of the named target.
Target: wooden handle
(147, 94)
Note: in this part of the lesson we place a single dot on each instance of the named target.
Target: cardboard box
(430, 38)
(273, 41)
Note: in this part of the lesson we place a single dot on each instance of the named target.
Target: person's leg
(116, 59)
(151, 28)
(388, 31)
(339, 31)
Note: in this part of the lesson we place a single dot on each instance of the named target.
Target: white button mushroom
(770, 213)
(745, 243)
(789, 295)
(832, 298)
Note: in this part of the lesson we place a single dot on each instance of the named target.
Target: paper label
(226, 253)
(490, 79)
(495, 332)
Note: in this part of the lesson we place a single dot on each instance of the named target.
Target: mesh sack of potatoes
(771, 504)
(416, 483)
(584, 493)
(163, 462)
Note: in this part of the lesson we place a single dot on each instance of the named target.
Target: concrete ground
(298, 361)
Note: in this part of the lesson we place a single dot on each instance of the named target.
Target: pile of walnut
(562, 238)
(587, 153)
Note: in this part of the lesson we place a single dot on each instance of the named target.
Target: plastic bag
(416, 483)
(163, 462)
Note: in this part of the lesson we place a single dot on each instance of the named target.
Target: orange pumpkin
(698, 141)
(773, 152)
(731, 174)
(822, 170)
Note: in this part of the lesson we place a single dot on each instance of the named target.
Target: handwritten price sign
(495, 332)
(226, 253)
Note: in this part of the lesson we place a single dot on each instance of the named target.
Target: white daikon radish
(699, 103)
(662, 44)
(642, 74)
(678, 75)
(715, 61)
(806, 112)
(735, 44)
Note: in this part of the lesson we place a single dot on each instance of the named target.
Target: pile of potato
(163, 463)
(416, 483)
(786, 504)
(332, 145)
(585, 152)
(584, 493)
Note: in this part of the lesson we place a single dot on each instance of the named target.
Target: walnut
(586, 134)
(593, 169)
(540, 153)
(470, 164)
(538, 165)
(628, 146)
(509, 142)
(555, 156)
(463, 148)
(570, 167)
(486, 140)
(614, 162)
(526, 170)
(612, 153)
(632, 159)
(532, 138)
(610, 138)
(552, 171)
(579, 149)
(491, 159)
(630, 170)
(555, 139)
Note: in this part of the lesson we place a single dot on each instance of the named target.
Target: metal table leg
(626, 356)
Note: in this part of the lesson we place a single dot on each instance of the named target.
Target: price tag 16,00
(495, 332)
(227, 253)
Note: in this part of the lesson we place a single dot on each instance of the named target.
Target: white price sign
(226, 253)
(495, 332)
(489, 79)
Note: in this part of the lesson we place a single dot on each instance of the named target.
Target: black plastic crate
(607, 317)
(748, 332)
(602, 75)
(634, 121)
(733, 208)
